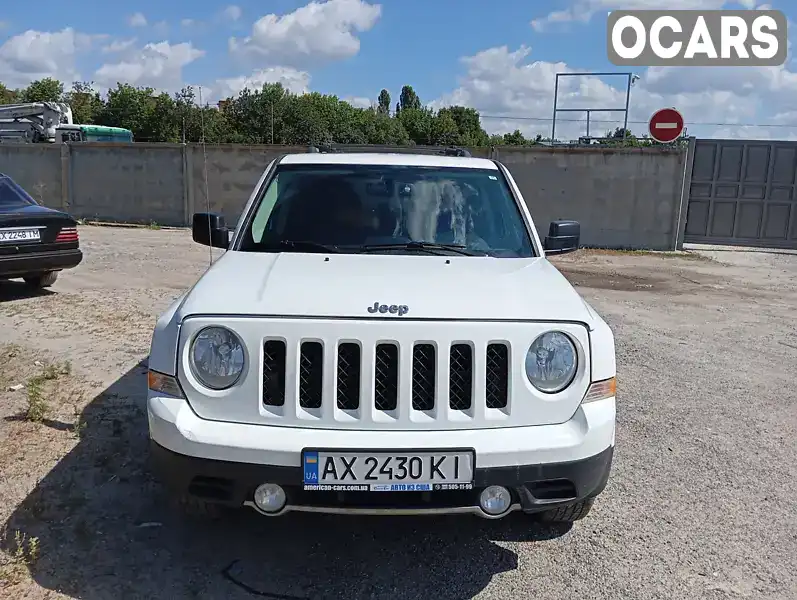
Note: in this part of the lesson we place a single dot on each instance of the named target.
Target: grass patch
(683, 254)
(38, 407)
(23, 555)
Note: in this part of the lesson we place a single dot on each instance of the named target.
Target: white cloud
(34, 55)
(315, 32)
(232, 12)
(137, 20)
(187, 22)
(583, 10)
(119, 46)
(158, 65)
(293, 80)
(503, 83)
(359, 101)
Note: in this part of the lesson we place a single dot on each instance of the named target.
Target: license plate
(19, 235)
(362, 471)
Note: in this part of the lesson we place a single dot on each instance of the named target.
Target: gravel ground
(701, 502)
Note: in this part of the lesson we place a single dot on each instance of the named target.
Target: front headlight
(551, 362)
(217, 357)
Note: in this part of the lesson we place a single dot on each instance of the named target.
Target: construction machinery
(51, 122)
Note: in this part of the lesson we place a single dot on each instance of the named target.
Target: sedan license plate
(344, 471)
(19, 235)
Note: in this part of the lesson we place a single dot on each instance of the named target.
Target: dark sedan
(35, 241)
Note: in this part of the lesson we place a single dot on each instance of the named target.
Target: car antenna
(205, 171)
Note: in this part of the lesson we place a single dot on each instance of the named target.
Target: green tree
(516, 138)
(259, 116)
(445, 131)
(468, 122)
(384, 102)
(7, 95)
(408, 98)
(85, 102)
(419, 124)
(270, 114)
(43, 90)
(185, 106)
(151, 118)
(381, 129)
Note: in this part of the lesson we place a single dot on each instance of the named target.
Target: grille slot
(460, 396)
(386, 377)
(349, 376)
(311, 373)
(497, 376)
(423, 376)
(274, 373)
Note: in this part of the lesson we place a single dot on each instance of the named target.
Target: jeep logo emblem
(393, 309)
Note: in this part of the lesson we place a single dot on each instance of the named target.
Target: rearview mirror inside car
(210, 229)
(563, 237)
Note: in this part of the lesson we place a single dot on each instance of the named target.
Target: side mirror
(563, 237)
(210, 229)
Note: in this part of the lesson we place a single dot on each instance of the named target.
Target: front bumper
(39, 262)
(543, 466)
(534, 487)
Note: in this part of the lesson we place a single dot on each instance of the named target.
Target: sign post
(666, 125)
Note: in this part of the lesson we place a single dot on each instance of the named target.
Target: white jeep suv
(383, 335)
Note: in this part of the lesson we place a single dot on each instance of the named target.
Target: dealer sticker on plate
(388, 471)
(19, 235)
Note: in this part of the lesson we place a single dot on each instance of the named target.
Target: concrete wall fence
(623, 197)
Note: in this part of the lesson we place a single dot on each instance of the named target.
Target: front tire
(41, 280)
(569, 513)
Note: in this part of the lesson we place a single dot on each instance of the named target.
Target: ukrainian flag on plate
(311, 467)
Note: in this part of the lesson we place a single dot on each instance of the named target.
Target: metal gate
(742, 192)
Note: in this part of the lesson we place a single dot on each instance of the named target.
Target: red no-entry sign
(666, 125)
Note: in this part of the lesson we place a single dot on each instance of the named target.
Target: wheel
(199, 509)
(41, 280)
(569, 513)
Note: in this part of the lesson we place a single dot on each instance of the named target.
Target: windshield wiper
(299, 245)
(428, 246)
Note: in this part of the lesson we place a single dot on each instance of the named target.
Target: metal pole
(627, 100)
(555, 94)
(587, 122)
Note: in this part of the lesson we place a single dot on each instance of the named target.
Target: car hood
(346, 285)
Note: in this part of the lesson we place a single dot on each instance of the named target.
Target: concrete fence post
(188, 183)
(683, 202)
(66, 177)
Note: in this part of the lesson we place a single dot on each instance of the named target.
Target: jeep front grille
(423, 376)
(387, 367)
(460, 387)
(497, 375)
(311, 375)
(274, 373)
(349, 376)
(386, 377)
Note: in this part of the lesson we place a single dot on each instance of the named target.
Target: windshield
(12, 196)
(383, 208)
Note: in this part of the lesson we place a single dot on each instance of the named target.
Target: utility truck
(52, 122)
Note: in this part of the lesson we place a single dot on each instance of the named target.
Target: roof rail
(324, 149)
(455, 151)
(449, 151)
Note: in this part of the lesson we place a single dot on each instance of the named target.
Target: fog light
(495, 500)
(269, 497)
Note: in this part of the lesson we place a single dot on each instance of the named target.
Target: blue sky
(499, 57)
